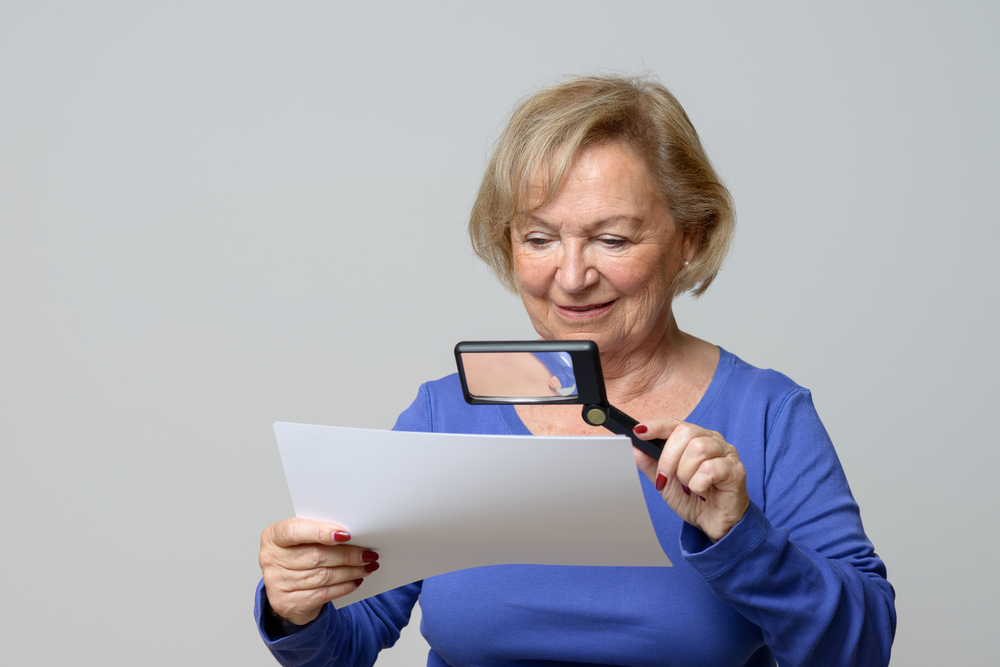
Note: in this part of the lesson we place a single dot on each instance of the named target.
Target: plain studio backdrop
(217, 215)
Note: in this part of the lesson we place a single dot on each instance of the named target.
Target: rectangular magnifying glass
(553, 372)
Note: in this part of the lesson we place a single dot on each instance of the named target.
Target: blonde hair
(546, 131)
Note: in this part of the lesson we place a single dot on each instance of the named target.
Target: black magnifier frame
(590, 392)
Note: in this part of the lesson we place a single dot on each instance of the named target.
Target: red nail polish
(703, 497)
(661, 481)
(341, 536)
(641, 428)
(358, 582)
(371, 567)
(368, 556)
(687, 491)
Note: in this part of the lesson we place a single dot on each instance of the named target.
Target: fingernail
(368, 556)
(640, 429)
(341, 536)
(687, 491)
(661, 481)
(358, 582)
(702, 497)
(371, 567)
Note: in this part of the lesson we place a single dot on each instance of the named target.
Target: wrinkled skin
(307, 564)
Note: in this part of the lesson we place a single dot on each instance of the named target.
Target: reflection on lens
(519, 375)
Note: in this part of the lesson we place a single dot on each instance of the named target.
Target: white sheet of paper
(431, 503)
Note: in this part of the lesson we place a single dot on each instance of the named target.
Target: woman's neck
(667, 379)
(636, 372)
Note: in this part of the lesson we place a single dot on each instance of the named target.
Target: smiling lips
(584, 312)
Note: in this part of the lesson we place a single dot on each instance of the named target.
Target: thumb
(294, 531)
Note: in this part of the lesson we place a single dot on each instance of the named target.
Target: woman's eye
(613, 242)
(536, 241)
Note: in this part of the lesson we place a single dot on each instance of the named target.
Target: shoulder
(739, 385)
(444, 391)
(782, 442)
(440, 407)
(747, 375)
(764, 413)
(433, 398)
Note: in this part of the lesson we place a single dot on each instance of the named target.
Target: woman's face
(598, 260)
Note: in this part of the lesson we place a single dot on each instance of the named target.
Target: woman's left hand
(699, 475)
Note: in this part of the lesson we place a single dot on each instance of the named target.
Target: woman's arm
(352, 635)
(797, 562)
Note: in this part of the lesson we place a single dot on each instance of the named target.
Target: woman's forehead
(602, 174)
(597, 162)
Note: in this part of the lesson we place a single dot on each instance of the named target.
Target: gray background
(217, 215)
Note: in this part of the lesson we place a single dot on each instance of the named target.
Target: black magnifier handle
(618, 422)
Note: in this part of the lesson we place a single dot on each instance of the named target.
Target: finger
(291, 581)
(301, 607)
(294, 531)
(699, 449)
(651, 430)
(724, 473)
(656, 428)
(325, 577)
(645, 463)
(673, 452)
(287, 588)
(311, 556)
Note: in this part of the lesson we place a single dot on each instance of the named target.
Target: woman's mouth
(585, 311)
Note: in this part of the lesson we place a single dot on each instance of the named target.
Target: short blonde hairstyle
(547, 129)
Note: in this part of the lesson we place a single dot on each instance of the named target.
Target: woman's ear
(690, 245)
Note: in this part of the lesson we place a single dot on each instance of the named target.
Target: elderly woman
(598, 207)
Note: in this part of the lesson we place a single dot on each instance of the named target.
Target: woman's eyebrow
(634, 220)
(596, 224)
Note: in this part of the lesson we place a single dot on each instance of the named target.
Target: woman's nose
(575, 273)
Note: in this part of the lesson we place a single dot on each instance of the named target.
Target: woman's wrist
(278, 626)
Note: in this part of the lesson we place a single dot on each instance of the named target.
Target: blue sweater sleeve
(801, 567)
(352, 635)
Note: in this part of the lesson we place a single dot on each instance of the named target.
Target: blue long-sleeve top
(796, 581)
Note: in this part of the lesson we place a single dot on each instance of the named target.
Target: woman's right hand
(307, 564)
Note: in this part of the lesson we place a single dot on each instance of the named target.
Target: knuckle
(273, 575)
(267, 558)
(667, 460)
(317, 578)
(315, 555)
(282, 533)
(686, 430)
(271, 535)
(699, 447)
